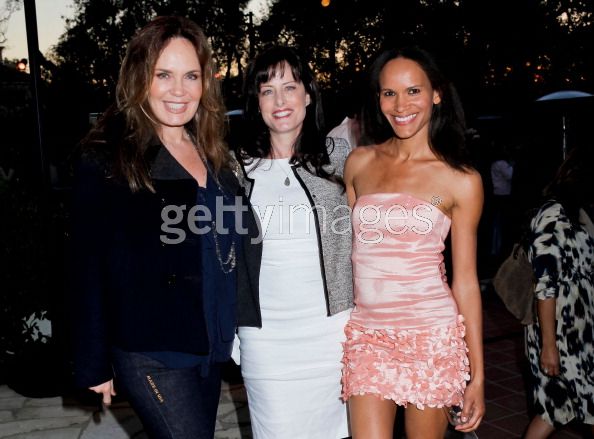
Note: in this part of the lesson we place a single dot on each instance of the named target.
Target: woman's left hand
(474, 407)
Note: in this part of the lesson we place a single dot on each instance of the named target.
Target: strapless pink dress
(405, 338)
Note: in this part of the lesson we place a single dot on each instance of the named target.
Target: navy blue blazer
(130, 289)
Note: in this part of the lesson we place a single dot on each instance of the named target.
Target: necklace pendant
(287, 181)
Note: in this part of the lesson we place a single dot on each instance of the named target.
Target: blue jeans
(171, 403)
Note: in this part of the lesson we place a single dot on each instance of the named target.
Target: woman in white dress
(291, 333)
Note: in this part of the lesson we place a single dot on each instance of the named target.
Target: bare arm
(466, 212)
(548, 255)
(549, 356)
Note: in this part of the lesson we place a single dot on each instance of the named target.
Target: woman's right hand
(106, 389)
(549, 360)
(549, 355)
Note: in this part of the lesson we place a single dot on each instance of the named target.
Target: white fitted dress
(292, 365)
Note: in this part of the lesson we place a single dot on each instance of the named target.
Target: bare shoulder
(359, 158)
(362, 153)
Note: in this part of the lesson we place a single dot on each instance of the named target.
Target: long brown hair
(137, 131)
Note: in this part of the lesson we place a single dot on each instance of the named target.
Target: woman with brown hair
(155, 241)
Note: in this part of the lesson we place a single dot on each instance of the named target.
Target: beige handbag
(514, 284)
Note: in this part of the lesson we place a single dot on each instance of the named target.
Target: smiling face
(406, 98)
(176, 87)
(282, 102)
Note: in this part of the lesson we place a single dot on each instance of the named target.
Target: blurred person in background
(560, 344)
(350, 127)
(502, 170)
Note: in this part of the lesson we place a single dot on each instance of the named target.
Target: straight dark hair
(447, 125)
(311, 146)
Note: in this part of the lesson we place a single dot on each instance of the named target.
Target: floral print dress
(562, 257)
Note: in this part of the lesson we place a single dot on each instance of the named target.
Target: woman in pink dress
(411, 340)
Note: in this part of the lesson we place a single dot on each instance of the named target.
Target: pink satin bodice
(399, 279)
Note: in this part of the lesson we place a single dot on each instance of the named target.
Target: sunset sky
(50, 26)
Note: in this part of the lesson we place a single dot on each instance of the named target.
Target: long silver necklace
(228, 264)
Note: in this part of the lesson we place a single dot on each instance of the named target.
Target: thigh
(429, 423)
(171, 403)
(372, 417)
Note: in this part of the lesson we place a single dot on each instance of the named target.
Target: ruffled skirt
(422, 367)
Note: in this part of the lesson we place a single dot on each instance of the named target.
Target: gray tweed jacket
(334, 233)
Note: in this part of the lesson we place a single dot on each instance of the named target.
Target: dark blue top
(137, 268)
(218, 277)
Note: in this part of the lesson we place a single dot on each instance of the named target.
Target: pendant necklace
(287, 180)
(227, 264)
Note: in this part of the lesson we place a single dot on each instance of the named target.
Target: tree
(341, 40)
(9, 8)
(489, 47)
(492, 49)
(95, 40)
(571, 49)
